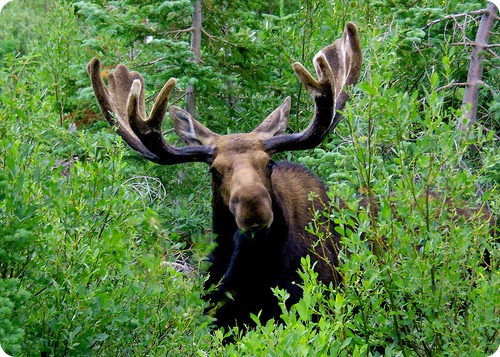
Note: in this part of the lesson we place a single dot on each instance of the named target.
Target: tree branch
(451, 85)
(475, 74)
(196, 49)
(176, 32)
(465, 14)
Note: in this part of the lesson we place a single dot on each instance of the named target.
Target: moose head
(251, 193)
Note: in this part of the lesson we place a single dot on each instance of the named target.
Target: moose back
(260, 207)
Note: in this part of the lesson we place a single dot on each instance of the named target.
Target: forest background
(101, 253)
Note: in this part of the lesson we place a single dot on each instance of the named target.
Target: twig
(176, 32)
(152, 62)
(472, 43)
(451, 85)
(456, 16)
(462, 84)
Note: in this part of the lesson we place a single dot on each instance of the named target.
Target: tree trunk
(196, 49)
(475, 74)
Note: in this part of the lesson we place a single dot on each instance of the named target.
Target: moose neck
(238, 253)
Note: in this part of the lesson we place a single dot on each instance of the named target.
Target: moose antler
(336, 66)
(123, 106)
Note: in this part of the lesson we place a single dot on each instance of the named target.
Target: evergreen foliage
(102, 253)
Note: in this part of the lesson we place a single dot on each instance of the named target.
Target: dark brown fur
(245, 267)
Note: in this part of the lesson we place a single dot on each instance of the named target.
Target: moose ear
(276, 122)
(189, 129)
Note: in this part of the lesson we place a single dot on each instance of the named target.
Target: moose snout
(252, 208)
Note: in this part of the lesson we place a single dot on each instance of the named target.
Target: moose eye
(215, 173)
(270, 166)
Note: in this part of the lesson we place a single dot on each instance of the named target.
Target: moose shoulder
(260, 208)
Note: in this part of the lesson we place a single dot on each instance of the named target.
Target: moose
(261, 208)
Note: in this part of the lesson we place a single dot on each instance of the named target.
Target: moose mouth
(253, 233)
(252, 215)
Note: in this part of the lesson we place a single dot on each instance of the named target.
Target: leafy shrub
(90, 265)
(84, 261)
(13, 298)
(430, 290)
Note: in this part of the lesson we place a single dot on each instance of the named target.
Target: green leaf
(101, 337)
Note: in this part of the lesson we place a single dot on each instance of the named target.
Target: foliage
(101, 252)
(13, 298)
(83, 257)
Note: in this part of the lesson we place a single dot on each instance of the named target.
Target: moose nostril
(233, 202)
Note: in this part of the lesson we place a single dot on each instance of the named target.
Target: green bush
(429, 291)
(95, 259)
(84, 260)
(102, 253)
(12, 300)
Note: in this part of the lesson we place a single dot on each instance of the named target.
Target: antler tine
(111, 113)
(125, 98)
(336, 65)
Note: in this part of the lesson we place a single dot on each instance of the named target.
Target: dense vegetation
(102, 252)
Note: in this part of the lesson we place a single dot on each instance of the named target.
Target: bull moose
(260, 207)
